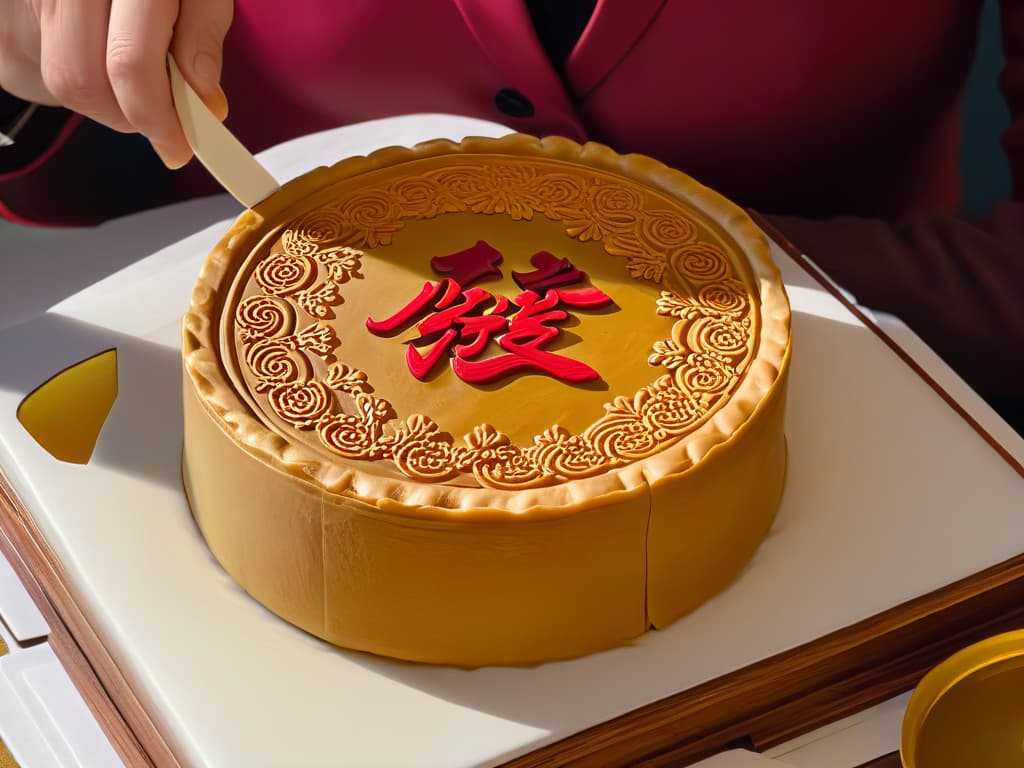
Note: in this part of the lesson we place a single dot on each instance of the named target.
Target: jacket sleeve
(67, 170)
(958, 284)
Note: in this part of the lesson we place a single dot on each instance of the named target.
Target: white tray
(890, 495)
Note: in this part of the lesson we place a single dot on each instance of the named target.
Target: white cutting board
(890, 495)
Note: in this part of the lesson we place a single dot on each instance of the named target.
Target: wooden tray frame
(758, 706)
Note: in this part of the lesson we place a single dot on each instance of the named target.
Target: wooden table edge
(74, 641)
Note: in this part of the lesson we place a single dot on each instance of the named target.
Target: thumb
(198, 48)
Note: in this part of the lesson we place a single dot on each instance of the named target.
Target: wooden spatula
(217, 148)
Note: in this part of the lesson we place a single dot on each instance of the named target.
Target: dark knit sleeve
(958, 284)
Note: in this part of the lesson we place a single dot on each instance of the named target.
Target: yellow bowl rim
(949, 673)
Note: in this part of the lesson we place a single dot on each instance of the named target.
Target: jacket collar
(613, 30)
(504, 31)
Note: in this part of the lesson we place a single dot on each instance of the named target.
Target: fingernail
(218, 104)
(172, 160)
(206, 70)
(205, 67)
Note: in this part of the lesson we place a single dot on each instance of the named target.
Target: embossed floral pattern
(358, 435)
(725, 297)
(710, 345)
(559, 452)
(342, 263)
(666, 230)
(301, 403)
(706, 373)
(273, 362)
(348, 380)
(283, 274)
(263, 317)
(718, 335)
(371, 218)
(317, 229)
(421, 450)
(280, 359)
(317, 302)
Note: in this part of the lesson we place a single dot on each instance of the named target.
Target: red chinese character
(469, 266)
(528, 331)
(451, 321)
(550, 272)
(460, 324)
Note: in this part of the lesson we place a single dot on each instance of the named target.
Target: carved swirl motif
(513, 470)
(727, 297)
(615, 204)
(422, 451)
(273, 362)
(315, 230)
(280, 360)
(711, 334)
(665, 230)
(373, 216)
(608, 210)
(711, 339)
(301, 403)
(625, 437)
(282, 274)
(559, 452)
(358, 435)
(670, 410)
(495, 461)
(424, 195)
(562, 195)
(262, 317)
(707, 373)
(703, 262)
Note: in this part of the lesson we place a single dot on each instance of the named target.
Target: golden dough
(504, 470)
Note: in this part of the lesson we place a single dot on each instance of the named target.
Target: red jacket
(799, 106)
(796, 106)
(804, 107)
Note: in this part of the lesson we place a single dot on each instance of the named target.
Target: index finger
(138, 38)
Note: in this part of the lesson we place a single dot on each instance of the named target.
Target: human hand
(107, 59)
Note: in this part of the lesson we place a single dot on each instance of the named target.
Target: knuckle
(9, 74)
(124, 60)
(71, 85)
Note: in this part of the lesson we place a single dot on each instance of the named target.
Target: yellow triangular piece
(66, 413)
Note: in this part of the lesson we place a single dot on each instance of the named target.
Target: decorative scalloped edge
(430, 501)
